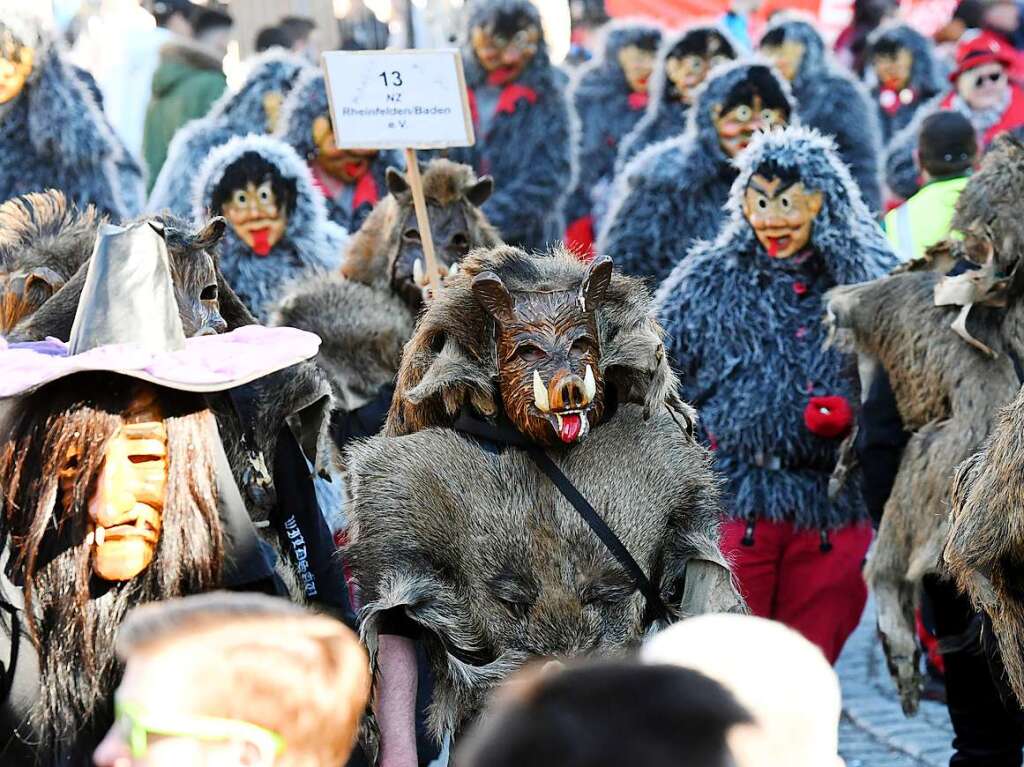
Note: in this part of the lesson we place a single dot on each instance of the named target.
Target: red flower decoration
(638, 101)
(512, 94)
(800, 288)
(829, 417)
(579, 238)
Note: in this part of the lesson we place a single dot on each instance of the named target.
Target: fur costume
(736, 318)
(529, 146)
(360, 317)
(236, 113)
(926, 80)
(478, 548)
(948, 393)
(306, 102)
(666, 114)
(608, 109)
(311, 242)
(835, 103)
(674, 193)
(54, 133)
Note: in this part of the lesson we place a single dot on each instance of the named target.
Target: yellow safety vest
(924, 219)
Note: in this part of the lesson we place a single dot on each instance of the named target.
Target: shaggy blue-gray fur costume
(601, 96)
(528, 150)
(306, 102)
(311, 243)
(745, 332)
(666, 114)
(835, 103)
(902, 175)
(235, 114)
(54, 135)
(674, 193)
(926, 81)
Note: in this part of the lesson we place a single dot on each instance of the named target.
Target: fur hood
(800, 28)
(311, 242)
(925, 75)
(539, 73)
(236, 113)
(603, 74)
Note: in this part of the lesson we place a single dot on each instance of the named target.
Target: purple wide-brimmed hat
(127, 323)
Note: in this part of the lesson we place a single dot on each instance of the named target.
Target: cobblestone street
(874, 732)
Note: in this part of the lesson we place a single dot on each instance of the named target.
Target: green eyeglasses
(140, 724)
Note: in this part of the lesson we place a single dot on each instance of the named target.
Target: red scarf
(638, 101)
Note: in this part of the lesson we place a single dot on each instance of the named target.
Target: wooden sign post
(404, 100)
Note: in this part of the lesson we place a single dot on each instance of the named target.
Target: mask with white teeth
(549, 351)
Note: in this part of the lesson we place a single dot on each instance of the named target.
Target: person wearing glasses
(231, 680)
(984, 91)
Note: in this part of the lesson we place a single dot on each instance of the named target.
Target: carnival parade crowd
(721, 333)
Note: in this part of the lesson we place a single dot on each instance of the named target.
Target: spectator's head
(947, 145)
(781, 678)
(213, 29)
(175, 16)
(272, 37)
(302, 37)
(606, 715)
(227, 680)
(1001, 16)
(981, 74)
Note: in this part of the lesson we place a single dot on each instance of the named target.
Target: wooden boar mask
(548, 350)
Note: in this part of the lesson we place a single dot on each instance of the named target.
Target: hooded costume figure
(610, 95)
(253, 108)
(674, 193)
(828, 99)
(116, 489)
(278, 227)
(531, 378)
(685, 58)
(53, 133)
(905, 75)
(521, 117)
(742, 318)
(367, 314)
(350, 180)
(945, 350)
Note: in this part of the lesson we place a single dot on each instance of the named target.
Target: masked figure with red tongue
(743, 316)
(521, 116)
(278, 226)
(610, 96)
(534, 408)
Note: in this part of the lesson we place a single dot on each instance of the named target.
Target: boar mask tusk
(540, 394)
(417, 272)
(589, 385)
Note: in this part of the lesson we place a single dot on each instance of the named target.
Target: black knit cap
(947, 144)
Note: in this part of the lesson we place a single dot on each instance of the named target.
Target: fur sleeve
(901, 172)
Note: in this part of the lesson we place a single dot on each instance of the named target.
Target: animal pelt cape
(744, 332)
(665, 116)
(530, 150)
(306, 102)
(926, 81)
(311, 243)
(236, 113)
(363, 324)
(674, 193)
(949, 395)
(54, 133)
(600, 94)
(837, 104)
(443, 530)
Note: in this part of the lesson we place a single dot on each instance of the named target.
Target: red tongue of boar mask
(548, 353)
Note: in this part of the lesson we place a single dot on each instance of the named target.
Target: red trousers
(787, 577)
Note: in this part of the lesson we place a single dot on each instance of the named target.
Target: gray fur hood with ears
(778, 469)
(672, 194)
(55, 134)
(311, 242)
(236, 113)
(837, 104)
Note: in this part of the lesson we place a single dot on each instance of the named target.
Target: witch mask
(548, 353)
(255, 199)
(16, 62)
(126, 506)
(506, 46)
(781, 213)
(787, 56)
(346, 165)
(637, 64)
(893, 68)
(737, 125)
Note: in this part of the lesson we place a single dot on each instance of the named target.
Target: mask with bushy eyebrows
(548, 349)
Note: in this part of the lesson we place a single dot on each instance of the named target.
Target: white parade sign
(398, 99)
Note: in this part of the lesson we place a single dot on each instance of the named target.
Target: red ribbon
(638, 101)
(512, 94)
(579, 238)
(366, 192)
(829, 417)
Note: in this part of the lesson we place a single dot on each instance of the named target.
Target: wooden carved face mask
(893, 69)
(782, 214)
(126, 506)
(16, 62)
(786, 57)
(504, 51)
(347, 165)
(737, 127)
(637, 64)
(548, 352)
(255, 215)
